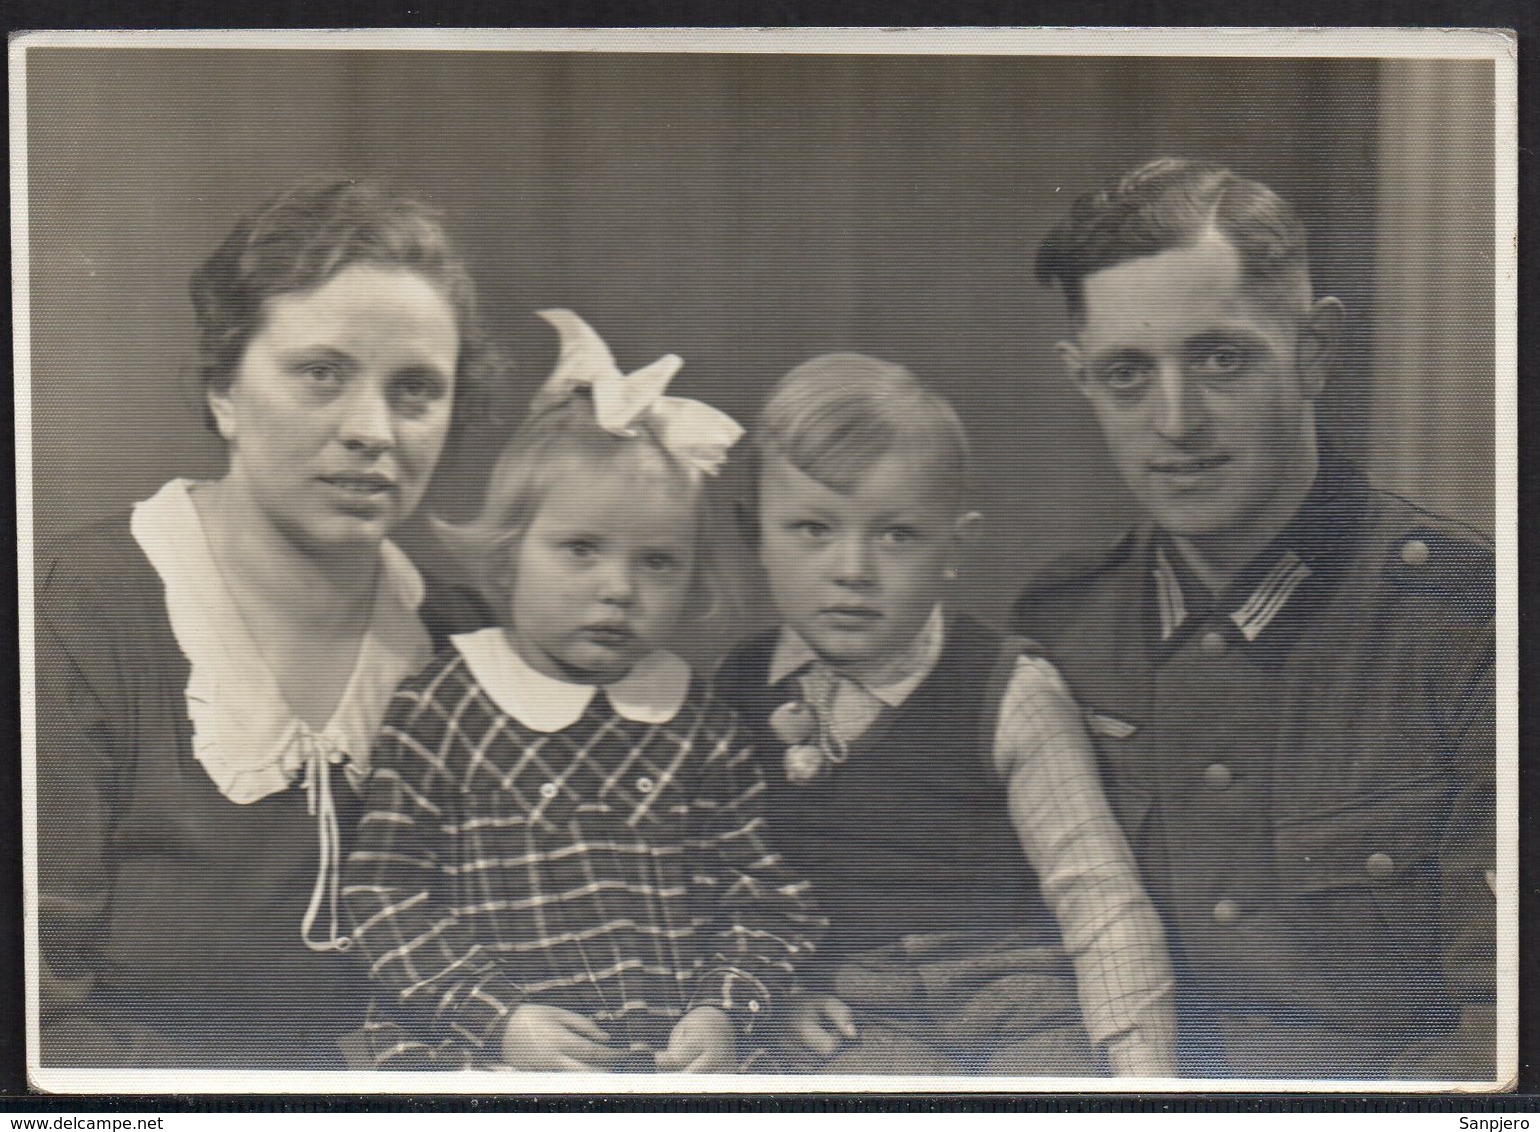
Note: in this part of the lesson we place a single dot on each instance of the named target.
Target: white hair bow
(691, 431)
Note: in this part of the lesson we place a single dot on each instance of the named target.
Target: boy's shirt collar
(652, 692)
(892, 682)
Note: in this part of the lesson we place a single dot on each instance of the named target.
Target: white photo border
(1496, 46)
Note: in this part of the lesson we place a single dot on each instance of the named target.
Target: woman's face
(340, 406)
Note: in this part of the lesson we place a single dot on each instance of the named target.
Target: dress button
(1218, 776)
(644, 785)
(548, 789)
(1214, 643)
(1379, 865)
(1414, 552)
(1226, 912)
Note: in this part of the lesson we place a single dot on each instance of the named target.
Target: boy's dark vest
(911, 833)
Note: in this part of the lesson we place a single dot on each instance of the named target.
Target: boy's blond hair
(836, 415)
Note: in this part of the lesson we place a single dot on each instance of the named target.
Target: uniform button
(1226, 912)
(548, 789)
(753, 1006)
(1214, 643)
(1380, 865)
(644, 785)
(1414, 552)
(1218, 776)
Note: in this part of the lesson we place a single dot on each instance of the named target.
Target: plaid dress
(614, 868)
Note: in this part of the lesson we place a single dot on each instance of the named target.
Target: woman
(212, 668)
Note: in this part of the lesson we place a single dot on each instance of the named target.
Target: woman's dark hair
(305, 235)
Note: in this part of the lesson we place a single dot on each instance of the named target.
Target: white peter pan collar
(652, 692)
(245, 735)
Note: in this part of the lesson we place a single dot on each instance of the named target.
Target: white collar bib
(244, 733)
(652, 692)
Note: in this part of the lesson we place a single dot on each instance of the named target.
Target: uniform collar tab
(1312, 543)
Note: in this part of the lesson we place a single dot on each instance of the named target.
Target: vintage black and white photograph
(683, 561)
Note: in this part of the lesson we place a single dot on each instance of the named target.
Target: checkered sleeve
(1088, 875)
(398, 885)
(761, 915)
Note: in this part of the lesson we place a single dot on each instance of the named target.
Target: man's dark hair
(1168, 203)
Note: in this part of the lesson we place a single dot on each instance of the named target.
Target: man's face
(1203, 388)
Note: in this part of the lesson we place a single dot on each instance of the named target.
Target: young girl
(561, 867)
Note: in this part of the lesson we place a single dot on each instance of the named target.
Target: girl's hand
(547, 1038)
(820, 1022)
(702, 1042)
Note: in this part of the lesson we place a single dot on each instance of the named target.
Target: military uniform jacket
(1305, 769)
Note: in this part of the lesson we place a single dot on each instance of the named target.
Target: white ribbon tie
(691, 431)
(321, 754)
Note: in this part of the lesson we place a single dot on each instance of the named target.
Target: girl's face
(340, 406)
(602, 573)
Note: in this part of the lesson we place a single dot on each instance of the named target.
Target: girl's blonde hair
(561, 438)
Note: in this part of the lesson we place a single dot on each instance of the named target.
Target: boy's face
(857, 575)
(1203, 388)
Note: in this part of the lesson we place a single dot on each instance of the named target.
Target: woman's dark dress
(169, 916)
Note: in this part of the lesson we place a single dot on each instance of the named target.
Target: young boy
(914, 758)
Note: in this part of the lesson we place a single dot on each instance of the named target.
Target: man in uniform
(1288, 672)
